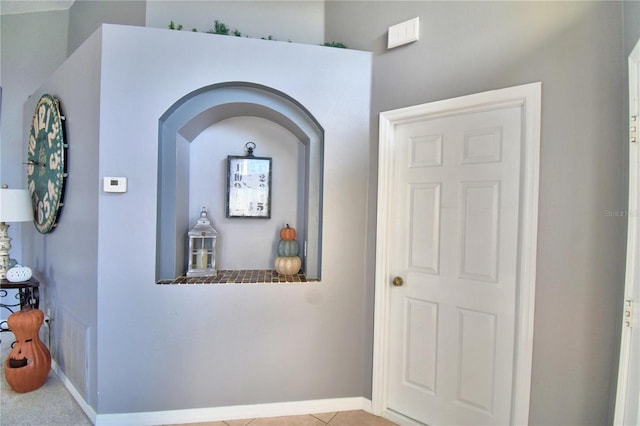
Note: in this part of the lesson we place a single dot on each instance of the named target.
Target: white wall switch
(404, 33)
(114, 184)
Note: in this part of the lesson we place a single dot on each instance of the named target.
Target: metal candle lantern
(202, 248)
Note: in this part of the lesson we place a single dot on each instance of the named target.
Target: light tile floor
(342, 418)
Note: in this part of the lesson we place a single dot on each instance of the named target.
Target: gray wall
(66, 260)
(631, 22)
(85, 16)
(44, 35)
(207, 187)
(211, 345)
(33, 46)
(576, 50)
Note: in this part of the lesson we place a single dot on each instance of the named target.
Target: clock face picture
(46, 163)
(248, 187)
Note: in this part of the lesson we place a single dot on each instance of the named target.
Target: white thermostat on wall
(114, 184)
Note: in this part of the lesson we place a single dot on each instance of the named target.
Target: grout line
(317, 418)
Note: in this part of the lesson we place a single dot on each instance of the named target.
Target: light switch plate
(114, 184)
(404, 33)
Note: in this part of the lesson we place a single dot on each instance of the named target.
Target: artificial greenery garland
(221, 28)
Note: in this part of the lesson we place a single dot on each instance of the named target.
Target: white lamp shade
(15, 205)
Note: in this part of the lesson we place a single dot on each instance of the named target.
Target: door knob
(398, 281)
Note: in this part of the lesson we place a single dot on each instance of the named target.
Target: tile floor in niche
(239, 276)
(342, 418)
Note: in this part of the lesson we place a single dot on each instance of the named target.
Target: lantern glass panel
(202, 253)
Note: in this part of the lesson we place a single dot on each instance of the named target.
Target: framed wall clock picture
(47, 163)
(248, 186)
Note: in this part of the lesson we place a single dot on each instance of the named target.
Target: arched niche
(196, 111)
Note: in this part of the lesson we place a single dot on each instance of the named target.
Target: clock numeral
(46, 124)
(31, 149)
(41, 112)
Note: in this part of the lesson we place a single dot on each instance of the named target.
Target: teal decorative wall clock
(47, 163)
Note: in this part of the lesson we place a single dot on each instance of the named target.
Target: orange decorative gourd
(29, 362)
(288, 233)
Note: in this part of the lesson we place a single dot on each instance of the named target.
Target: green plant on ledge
(335, 44)
(221, 28)
(173, 26)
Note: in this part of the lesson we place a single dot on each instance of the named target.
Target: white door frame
(632, 275)
(528, 97)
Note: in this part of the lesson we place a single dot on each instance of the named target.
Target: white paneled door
(627, 407)
(453, 216)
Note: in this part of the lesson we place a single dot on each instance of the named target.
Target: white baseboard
(235, 412)
(88, 410)
(214, 413)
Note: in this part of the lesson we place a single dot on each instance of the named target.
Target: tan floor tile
(307, 420)
(243, 422)
(325, 417)
(358, 418)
